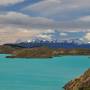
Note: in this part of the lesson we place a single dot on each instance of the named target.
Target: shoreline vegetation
(40, 52)
(81, 83)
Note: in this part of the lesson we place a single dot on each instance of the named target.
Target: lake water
(40, 74)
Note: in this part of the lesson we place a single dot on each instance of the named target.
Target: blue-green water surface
(40, 74)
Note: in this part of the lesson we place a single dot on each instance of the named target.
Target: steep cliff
(81, 83)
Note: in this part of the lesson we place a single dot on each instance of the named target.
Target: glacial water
(40, 74)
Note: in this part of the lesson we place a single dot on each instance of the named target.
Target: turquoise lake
(40, 74)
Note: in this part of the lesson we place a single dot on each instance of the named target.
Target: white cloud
(7, 2)
(12, 34)
(14, 25)
(45, 37)
(87, 37)
(63, 34)
(84, 19)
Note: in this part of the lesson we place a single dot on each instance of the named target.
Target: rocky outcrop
(81, 83)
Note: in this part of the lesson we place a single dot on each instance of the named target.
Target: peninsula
(43, 49)
(81, 83)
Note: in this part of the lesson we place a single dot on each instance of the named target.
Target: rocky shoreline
(81, 83)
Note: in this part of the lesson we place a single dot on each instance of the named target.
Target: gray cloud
(14, 25)
(15, 19)
(8, 2)
(19, 19)
(49, 8)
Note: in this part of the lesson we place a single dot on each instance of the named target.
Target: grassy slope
(41, 52)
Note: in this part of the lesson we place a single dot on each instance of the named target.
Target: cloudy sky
(27, 19)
